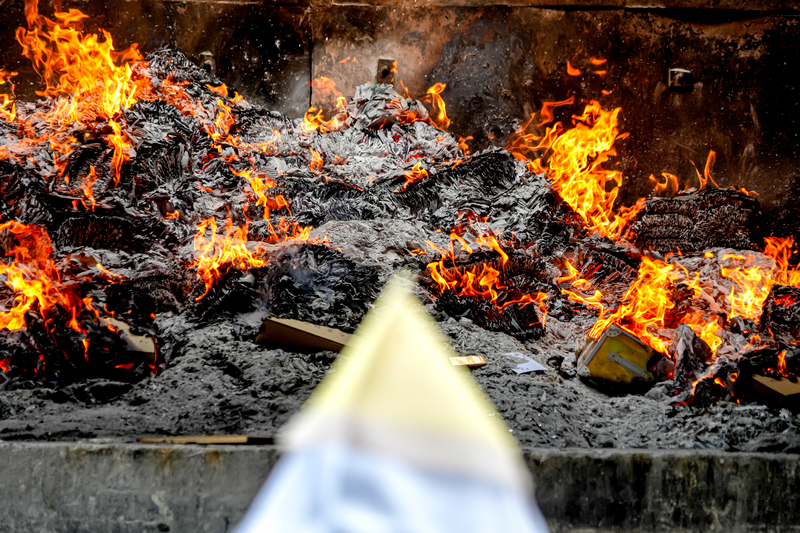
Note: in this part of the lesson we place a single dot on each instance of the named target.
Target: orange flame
(480, 281)
(86, 185)
(260, 183)
(780, 250)
(752, 282)
(121, 149)
(95, 78)
(417, 174)
(33, 277)
(462, 143)
(216, 254)
(668, 188)
(86, 79)
(706, 176)
(572, 71)
(574, 169)
(312, 120)
(325, 91)
(751, 289)
(8, 109)
(782, 363)
(546, 113)
(644, 307)
(316, 163)
(439, 115)
(325, 88)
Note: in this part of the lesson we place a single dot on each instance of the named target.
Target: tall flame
(439, 116)
(8, 109)
(95, 79)
(573, 163)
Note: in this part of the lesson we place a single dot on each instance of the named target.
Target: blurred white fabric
(333, 488)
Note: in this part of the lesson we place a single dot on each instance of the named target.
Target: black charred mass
(781, 315)
(696, 221)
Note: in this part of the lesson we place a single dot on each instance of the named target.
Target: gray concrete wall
(122, 488)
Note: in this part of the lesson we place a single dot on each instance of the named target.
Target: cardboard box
(468, 360)
(140, 344)
(301, 336)
(779, 393)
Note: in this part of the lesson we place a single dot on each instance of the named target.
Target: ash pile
(192, 203)
(151, 225)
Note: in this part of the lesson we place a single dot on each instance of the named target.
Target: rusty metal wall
(260, 49)
(501, 61)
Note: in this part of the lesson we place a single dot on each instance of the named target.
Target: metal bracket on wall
(208, 63)
(680, 80)
(385, 71)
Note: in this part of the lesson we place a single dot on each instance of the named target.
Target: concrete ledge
(121, 488)
(645, 490)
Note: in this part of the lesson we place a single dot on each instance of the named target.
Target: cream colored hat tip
(394, 383)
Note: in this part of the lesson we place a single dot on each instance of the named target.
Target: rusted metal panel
(501, 63)
(260, 49)
(757, 6)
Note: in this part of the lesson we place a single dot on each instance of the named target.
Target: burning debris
(159, 192)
